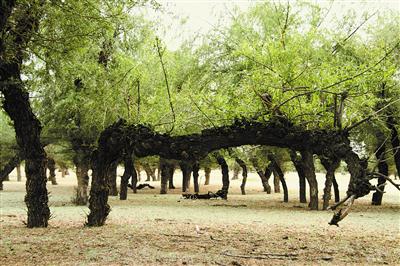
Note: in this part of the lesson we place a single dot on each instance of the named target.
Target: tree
(20, 22)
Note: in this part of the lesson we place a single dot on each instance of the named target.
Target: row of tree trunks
(263, 177)
(330, 166)
(242, 164)
(8, 168)
(51, 165)
(150, 172)
(236, 171)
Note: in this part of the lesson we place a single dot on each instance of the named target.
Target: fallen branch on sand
(262, 256)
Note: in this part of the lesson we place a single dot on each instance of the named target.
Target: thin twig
(388, 179)
(166, 83)
(369, 117)
(262, 256)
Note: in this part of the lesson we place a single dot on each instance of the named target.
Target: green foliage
(8, 144)
(93, 62)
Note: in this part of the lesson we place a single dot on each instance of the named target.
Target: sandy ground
(153, 229)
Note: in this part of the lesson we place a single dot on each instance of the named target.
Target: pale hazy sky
(203, 15)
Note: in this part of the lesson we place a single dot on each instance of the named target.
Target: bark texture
(330, 165)
(14, 39)
(277, 170)
(296, 160)
(225, 176)
(129, 171)
(196, 168)
(112, 179)
(309, 171)
(263, 177)
(243, 165)
(383, 168)
(10, 165)
(51, 165)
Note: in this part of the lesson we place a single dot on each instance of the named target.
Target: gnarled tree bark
(225, 176)
(330, 165)
(242, 164)
(383, 168)
(51, 165)
(309, 171)
(129, 171)
(16, 104)
(196, 168)
(277, 170)
(263, 177)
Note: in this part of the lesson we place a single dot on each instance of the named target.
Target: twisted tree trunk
(129, 171)
(11, 164)
(330, 165)
(51, 165)
(171, 171)
(383, 168)
(336, 189)
(82, 169)
(236, 171)
(277, 170)
(149, 172)
(263, 177)
(186, 169)
(277, 188)
(196, 168)
(296, 160)
(165, 173)
(225, 176)
(242, 164)
(309, 171)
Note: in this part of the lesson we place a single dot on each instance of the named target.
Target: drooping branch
(160, 55)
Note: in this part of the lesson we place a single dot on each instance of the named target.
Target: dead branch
(387, 179)
(342, 213)
(334, 206)
(209, 195)
(261, 256)
(160, 55)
